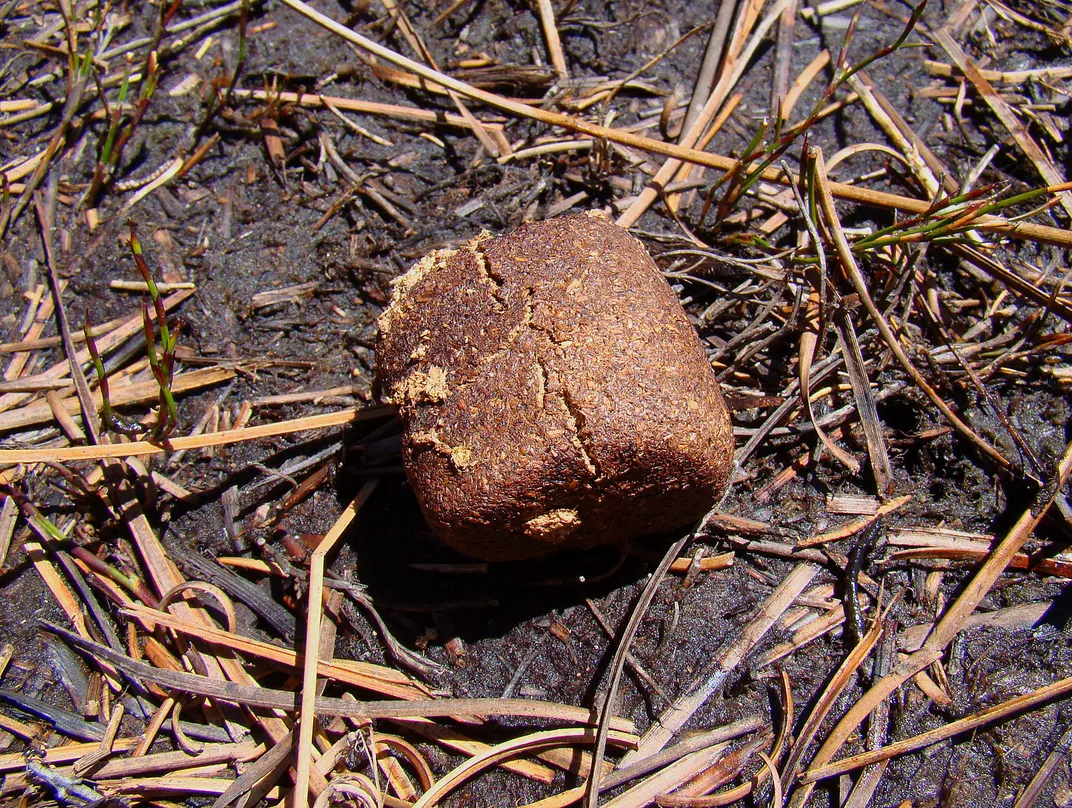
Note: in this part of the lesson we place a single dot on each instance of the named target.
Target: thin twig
(312, 641)
(1040, 233)
(89, 412)
(617, 664)
(856, 278)
(967, 724)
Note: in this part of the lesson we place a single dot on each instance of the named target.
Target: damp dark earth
(218, 587)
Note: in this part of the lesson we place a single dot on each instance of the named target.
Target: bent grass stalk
(737, 187)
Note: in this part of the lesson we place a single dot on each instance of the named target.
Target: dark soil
(240, 223)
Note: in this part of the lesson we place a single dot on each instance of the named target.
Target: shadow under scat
(408, 572)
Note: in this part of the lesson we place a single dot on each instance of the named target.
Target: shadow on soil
(408, 572)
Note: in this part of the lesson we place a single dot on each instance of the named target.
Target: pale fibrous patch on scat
(401, 286)
(421, 350)
(421, 387)
(459, 456)
(553, 527)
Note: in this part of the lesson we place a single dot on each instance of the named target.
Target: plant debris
(218, 587)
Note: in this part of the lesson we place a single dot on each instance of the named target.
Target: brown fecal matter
(553, 393)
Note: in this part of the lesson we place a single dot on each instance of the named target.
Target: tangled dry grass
(894, 345)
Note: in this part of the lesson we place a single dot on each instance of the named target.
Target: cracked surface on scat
(581, 440)
(576, 387)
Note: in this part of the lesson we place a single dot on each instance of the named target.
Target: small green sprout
(161, 357)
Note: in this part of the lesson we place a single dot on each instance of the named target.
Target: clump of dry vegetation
(865, 619)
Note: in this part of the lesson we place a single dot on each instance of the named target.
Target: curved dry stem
(530, 743)
(946, 629)
(880, 199)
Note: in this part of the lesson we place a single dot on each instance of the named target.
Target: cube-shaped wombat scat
(552, 391)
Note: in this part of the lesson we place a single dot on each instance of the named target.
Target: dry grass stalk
(90, 420)
(451, 738)
(56, 585)
(75, 90)
(711, 680)
(820, 627)
(19, 729)
(166, 577)
(560, 800)
(8, 514)
(948, 626)
(224, 438)
(697, 792)
(365, 107)
(377, 678)
(783, 60)
(838, 682)
(260, 776)
(554, 41)
(1004, 113)
(105, 749)
(706, 564)
(851, 505)
(809, 340)
(535, 741)
(312, 642)
(803, 80)
(722, 57)
(857, 525)
(948, 71)
(153, 727)
(890, 112)
(709, 68)
(877, 734)
(38, 314)
(1042, 566)
(1030, 795)
(161, 761)
(669, 777)
(967, 724)
(1056, 302)
(898, 133)
(63, 418)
